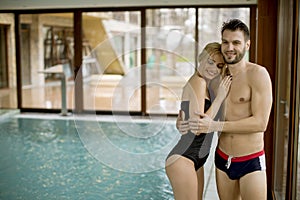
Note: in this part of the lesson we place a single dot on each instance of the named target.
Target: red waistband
(240, 158)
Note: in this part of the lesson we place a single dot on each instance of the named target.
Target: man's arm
(261, 103)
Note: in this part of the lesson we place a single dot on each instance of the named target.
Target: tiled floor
(210, 188)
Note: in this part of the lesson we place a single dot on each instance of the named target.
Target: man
(239, 157)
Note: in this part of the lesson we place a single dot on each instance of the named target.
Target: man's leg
(183, 178)
(253, 186)
(227, 189)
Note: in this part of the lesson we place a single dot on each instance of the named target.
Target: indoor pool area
(48, 156)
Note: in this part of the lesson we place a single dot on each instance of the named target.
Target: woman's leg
(200, 176)
(183, 177)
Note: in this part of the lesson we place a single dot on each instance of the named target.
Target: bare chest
(240, 91)
(238, 101)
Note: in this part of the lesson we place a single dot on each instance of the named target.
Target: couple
(240, 104)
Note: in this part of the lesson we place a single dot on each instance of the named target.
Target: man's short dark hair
(236, 24)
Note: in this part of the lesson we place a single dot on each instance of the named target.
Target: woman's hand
(224, 87)
(181, 125)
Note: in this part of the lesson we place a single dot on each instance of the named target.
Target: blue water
(48, 159)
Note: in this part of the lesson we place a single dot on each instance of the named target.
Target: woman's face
(211, 67)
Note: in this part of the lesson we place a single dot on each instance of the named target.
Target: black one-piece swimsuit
(191, 146)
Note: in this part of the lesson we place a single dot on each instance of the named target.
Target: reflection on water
(45, 159)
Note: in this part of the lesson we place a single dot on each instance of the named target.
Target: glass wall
(297, 120)
(111, 50)
(298, 152)
(171, 49)
(283, 104)
(8, 91)
(46, 59)
(211, 20)
(3, 57)
(112, 61)
(170, 52)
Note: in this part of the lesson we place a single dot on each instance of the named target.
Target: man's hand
(203, 124)
(181, 125)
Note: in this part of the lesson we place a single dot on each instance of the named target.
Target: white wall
(46, 4)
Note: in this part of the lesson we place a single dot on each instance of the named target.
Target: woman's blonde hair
(209, 50)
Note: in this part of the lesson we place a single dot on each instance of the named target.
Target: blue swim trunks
(236, 167)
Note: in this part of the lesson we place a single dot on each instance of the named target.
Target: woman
(184, 164)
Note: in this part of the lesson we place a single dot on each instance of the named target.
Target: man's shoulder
(257, 73)
(255, 68)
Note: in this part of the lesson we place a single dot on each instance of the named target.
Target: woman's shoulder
(196, 80)
(194, 84)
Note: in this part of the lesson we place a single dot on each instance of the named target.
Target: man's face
(233, 46)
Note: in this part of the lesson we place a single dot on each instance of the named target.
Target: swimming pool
(45, 158)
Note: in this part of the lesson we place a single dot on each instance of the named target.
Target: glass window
(211, 20)
(46, 60)
(111, 50)
(111, 64)
(282, 136)
(298, 119)
(298, 161)
(170, 52)
(171, 47)
(283, 94)
(8, 97)
(3, 57)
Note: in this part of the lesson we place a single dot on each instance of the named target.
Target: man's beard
(237, 59)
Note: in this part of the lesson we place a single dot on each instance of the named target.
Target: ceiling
(57, 4)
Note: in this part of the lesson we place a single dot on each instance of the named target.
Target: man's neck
(235, 69)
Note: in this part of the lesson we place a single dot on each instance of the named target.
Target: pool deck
(210, 189)
(6, 113)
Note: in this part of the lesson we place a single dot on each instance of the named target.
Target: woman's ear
(225, 71)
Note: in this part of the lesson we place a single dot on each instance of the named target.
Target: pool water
(59, 159)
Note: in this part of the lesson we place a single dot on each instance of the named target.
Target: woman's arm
(196, 92)
(182, 125)
(221, 95)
